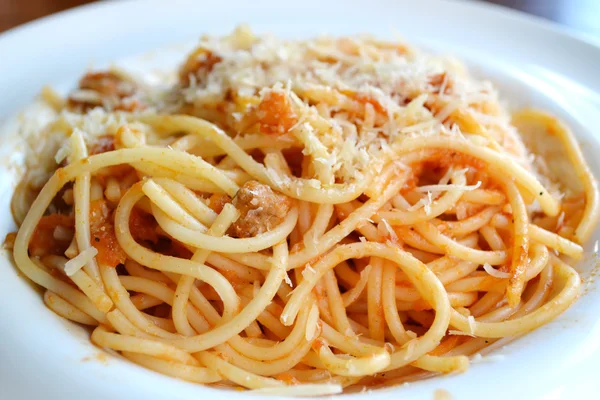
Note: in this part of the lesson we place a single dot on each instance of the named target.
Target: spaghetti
(302, 217)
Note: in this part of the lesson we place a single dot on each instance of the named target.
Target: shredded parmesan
(427, 205)
(287, 279)
(75, 264)
(494, 272)
(478, 358)
(386, 89)
(424, 202)
(308, 270)
(446, 178)
(85, 95)
(560, 221)
(385, 229)
(448, 110)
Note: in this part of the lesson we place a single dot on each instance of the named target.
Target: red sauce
(102, 82)
(43, 241)
(217, 201)
(448, 157)
(176, 249)
(103, 235)
(275, 114)
(103, 144)
(142, 226)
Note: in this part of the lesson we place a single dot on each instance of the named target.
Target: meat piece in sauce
(261, 210)
(197, 67)
(104, 89)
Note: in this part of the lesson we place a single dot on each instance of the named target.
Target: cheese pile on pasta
(302, 217)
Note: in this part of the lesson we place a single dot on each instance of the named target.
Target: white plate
(533, 62)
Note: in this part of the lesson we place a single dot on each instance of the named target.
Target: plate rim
(516, 16)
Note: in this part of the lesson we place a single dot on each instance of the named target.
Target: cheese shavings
(75, 264)
(424, 202)
(477, 358)
(287, 279)
(385, 229)
(561, 220)
(352, 97)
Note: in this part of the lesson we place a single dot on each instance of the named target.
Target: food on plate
(303, 217)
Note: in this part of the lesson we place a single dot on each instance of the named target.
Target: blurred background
(579, 15)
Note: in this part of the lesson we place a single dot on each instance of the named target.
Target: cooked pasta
(302, 217)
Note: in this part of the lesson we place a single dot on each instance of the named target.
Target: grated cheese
(75, 264)
(427, 205)
(385, 229)
(560, 221)
(86, 95)
(448, 110)
(446, 178)
(308, 271)
(353, 97)
(478, 358)
(424, 202)
(287, 279)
